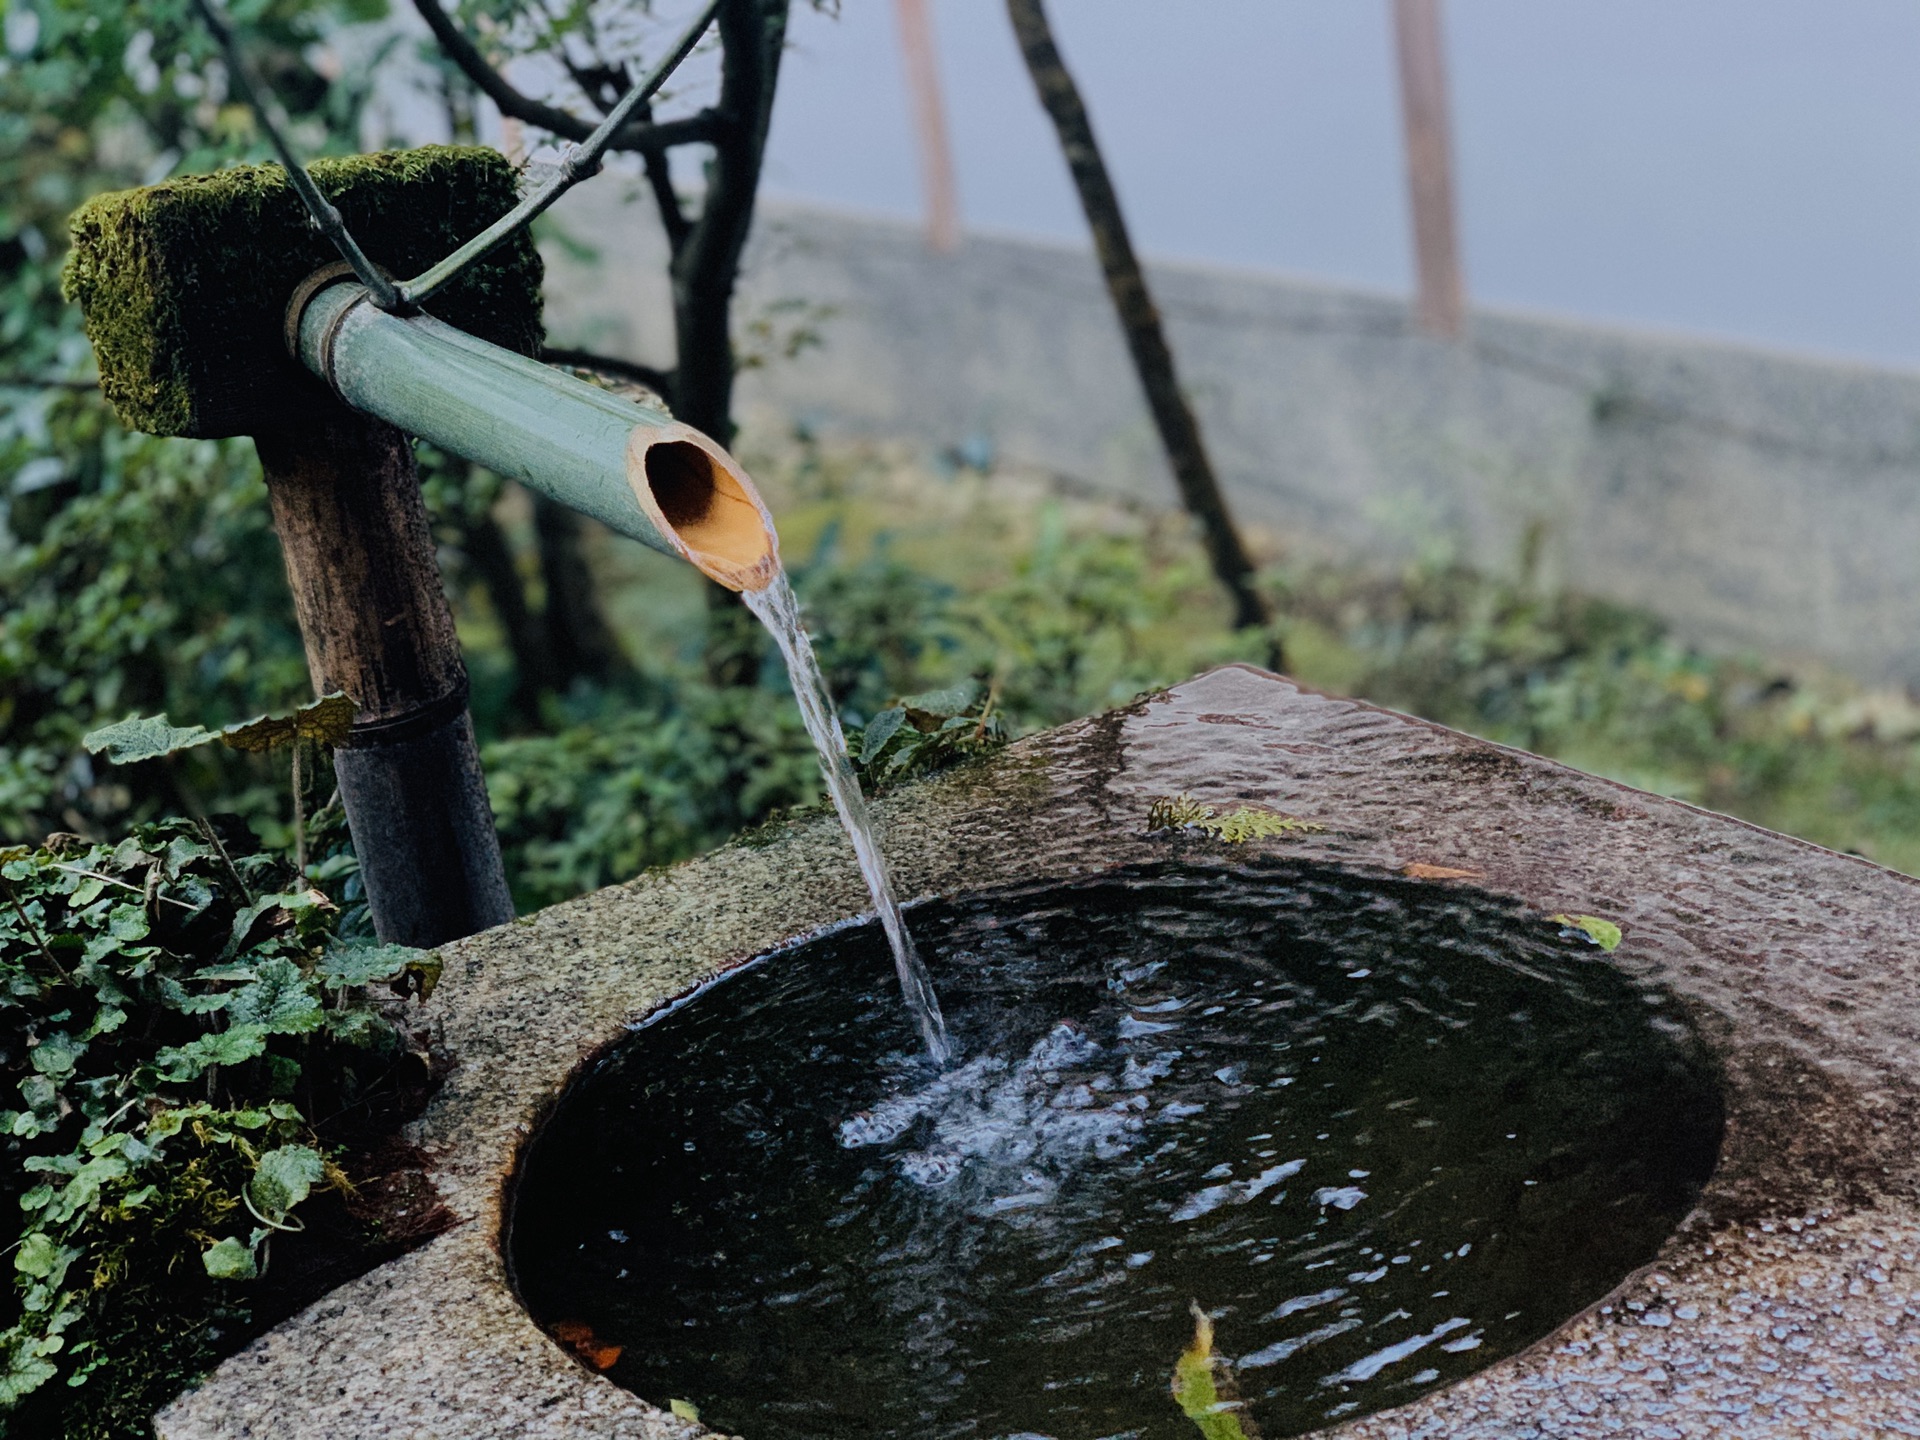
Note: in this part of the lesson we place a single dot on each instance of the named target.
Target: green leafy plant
(324, 723)
(634, 781)
(922, 733)
(175, 1012)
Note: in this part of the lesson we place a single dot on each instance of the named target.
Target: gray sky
(1743, 168)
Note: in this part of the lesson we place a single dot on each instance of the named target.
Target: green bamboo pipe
(632, 467)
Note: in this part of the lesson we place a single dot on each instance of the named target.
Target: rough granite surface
(1787, 1305)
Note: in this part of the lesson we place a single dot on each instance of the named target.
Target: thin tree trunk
(1442, 303)
(930, 119)
(580, 642)
(1179, 431)
(486, 549)
(706, 266)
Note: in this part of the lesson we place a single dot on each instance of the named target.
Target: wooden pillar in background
(1442, 302)
(930, 120)
(366, 590)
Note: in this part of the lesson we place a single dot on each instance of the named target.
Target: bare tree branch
(707, 264)
(704, 127)
(325, 217)
(706, 247)
(673, 216)
(577, 163)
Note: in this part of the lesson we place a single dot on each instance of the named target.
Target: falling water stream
(778, 610)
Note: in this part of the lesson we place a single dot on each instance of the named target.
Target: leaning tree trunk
(1179, 431)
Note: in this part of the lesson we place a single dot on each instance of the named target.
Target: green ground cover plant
(189, 1034)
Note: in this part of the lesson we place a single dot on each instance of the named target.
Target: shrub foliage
(179, 1017)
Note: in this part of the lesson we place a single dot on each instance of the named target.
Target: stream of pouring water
(779, 611)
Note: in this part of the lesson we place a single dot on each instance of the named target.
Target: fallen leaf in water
(1202, 1391)
(685, 1409)
(578, 1337)
(1603, 933)
(1419, 870)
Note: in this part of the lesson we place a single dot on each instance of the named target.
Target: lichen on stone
(1232, 827)
(185, 284)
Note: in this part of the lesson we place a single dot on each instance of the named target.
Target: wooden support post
(1441, 306)
(366, 589)
(930, 119)
(186, 287)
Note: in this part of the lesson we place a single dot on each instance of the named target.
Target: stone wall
(1757, 500)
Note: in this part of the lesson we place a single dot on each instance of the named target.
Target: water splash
(778, 610)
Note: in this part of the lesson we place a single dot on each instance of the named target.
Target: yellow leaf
(1419, 870)
(1199, 1392)
(685, 1409)
(263, 732)
(326, 720)
(578, 1337)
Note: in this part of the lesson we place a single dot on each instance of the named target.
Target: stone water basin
(1782, 1303)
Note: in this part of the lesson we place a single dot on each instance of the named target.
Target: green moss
(185, 284)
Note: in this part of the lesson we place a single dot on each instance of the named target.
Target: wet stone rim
(1787, 1305)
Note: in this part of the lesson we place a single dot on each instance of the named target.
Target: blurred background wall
(1691, 376)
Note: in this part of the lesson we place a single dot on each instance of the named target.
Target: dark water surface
(1383, 1133)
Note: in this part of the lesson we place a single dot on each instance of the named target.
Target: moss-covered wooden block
(185, 284)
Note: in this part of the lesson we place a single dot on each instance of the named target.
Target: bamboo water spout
(632, 467)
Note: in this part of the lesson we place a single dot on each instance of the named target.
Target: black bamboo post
(376, 625)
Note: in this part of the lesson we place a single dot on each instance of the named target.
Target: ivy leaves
(228, 1259)
(162, 1002)
(282, 1178)
(144, 737)
(150, 737)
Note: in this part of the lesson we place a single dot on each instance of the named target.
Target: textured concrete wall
(1757, 500)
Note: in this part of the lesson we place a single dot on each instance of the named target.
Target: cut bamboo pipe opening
(634, 468)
